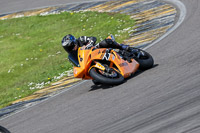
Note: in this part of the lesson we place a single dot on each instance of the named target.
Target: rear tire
(146, 62)
(105, 80)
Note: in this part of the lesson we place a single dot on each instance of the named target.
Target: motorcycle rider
(71, 44)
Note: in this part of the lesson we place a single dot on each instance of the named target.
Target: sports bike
(109, 66)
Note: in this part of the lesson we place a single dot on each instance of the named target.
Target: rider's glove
(124, 47)
(89, 44)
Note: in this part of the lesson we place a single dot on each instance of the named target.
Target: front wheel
(3, 130)
(95, 82)
(111, 77)
(145, 60)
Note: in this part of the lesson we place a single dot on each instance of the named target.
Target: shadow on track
(104, 86)
(138, 72)
(101, 86)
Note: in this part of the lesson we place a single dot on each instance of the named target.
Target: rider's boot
(129, 49)
(137, 52)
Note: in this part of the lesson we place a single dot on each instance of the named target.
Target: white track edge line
(182, 10)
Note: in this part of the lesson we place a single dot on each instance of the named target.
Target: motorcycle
(109, 66)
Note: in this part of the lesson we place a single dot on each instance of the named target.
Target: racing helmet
(69, 42)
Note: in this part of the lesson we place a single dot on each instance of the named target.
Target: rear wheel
(112, 77)
(145, 60)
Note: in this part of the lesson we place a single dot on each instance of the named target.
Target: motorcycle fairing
(85, 58)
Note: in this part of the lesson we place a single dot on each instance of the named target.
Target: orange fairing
(86, 57)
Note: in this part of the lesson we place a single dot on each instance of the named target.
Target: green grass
(31, 51)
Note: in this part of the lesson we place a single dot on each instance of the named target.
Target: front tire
(98, 77)
(3, 130)
(95, 82)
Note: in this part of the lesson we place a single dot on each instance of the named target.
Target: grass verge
(31, 55)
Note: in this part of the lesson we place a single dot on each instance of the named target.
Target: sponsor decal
(81, 59)
(123, 64)
(113, 58)
(102, 55)
(106, 56)
(98, 65)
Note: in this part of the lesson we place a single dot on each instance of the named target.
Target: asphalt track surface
(10, 6)
(164, 99)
